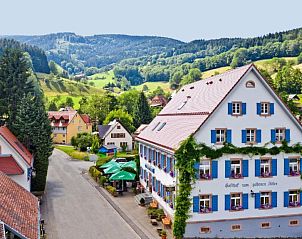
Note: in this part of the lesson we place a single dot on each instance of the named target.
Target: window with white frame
(280, 134)
(265, 200)
(236, 168)
(220, 135)
(265, 167)
(265, 108)
(294, 166)
(294, 198)
(205, 203)
(250, 135)
(205, 230)
(236, 108)
(236, 201)
(205, 169)
(265, 225)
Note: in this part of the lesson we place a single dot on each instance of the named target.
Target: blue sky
(181, 19)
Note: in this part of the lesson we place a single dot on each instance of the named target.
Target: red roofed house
(158, 101)
(235, 195)
(19, 211)
(67, 123)
(15, 160)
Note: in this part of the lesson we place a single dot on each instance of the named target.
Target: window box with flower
(266, 206)
(205, 209)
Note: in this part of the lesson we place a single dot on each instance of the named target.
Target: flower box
(165, 170)
(172, 174)
(236, 175)
(294, 204)
(266, 206)
(265, 174)
(236, 208)
(205, 176)
(205, 209)
(294, 173)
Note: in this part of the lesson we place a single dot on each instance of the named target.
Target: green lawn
(153, 85)
(102, 79)
(72, 152)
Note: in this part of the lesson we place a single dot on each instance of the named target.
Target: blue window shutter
(245, 201)
(258, 136)
(287, 135)
(243, 133)
(274, 199)
(162, 161)
(227, 202)
(300, 165)
(168, 164)
(272, 108)
(286, 166)
(229, 136)
(156, 186)
(227, 168)
(243, 105)
(153, 182)
(196, 167)
(245, 168)
(300, 198)
(286, 198)
(215, 203)
(214, 169)
(196, 204)
(230, 108)
(213, 136)
(273, 135)
(257, 200)
(258, 108)
(257, 168)
(274, 167)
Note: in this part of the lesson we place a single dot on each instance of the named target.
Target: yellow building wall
(59, 138)
(77, 125)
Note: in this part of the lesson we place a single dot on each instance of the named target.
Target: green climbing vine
(189, 152)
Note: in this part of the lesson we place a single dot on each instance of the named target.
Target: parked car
(120, 160)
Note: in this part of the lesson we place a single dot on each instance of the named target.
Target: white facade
(117, 135)
(222, 189)
(23, 179)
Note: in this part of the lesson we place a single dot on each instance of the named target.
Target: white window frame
(236, 108)
(265, 167)
(220, 136)
(294, 166)
(250, 135)
(265, 108)
(236, 201)
(294, 198)
(236, 168)
(266, 200)
(205, 169)
(205, 202)
(280, 134)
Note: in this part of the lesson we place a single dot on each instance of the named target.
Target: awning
(130, 164)
(109, 164)
(122, 175)
(112, 169)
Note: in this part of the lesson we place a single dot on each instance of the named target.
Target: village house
(15, 160)
(67, 123)
(19, 211)
(236, 195)
(158, 101)
(115, 134)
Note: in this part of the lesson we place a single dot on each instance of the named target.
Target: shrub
(102, 180)
(86, 158)
(111, 190)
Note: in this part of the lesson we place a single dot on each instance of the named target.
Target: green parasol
(122, 175)
(130, 164)
(112, 169)
(109, 164)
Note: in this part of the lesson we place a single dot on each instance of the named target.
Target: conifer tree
(32, 127)
(142, 113)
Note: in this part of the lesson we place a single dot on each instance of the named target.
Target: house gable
(251, 96)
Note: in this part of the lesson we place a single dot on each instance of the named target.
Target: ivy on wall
(189, 152)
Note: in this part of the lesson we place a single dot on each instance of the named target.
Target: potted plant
(163, 234)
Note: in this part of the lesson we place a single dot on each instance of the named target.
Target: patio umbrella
(112, 169)
(130, 164)
(122, 175)
(109, 164)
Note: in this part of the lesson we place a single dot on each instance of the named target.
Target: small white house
(15, 160)
(115, 134)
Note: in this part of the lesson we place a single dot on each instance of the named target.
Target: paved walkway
(73, 209)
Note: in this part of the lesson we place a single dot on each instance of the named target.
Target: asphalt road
(73, 209)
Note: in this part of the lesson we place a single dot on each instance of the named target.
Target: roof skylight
(182, 105)
(155, 126)
(162, 125)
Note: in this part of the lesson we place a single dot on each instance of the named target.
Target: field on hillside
(153, 85)
(102, 79)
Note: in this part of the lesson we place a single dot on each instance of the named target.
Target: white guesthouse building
(235, 195)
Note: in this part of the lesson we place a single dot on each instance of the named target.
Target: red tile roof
(190, 107)
(9, 166)
(19, 209)
(86, 118)
(66, 115)
(16, 144)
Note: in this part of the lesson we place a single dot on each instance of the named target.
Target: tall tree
(52, 106)
(32, 128)
(142, 112)
(288, 80)
(15, 82)
(123, 117)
